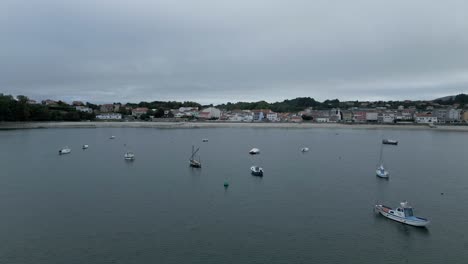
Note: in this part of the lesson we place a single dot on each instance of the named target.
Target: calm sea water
(92, 206)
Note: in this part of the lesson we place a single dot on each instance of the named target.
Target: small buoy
(226, 184)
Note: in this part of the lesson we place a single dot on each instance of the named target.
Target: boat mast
(381, 154)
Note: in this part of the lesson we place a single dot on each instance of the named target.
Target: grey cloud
(215, 51)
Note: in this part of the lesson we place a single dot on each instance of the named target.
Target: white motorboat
(389, 142)
(254, 151)
(256, 171)
(129, 155)
(65, 150)
(304, 149)
(402, 214)
(112, 137)
(85, 146)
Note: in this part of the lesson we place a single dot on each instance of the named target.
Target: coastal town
(420, 112)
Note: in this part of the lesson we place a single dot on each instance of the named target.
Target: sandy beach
(35, 125)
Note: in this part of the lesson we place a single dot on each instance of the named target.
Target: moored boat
(112, 137)
(205, 140)
(304, 149)
(381, 172)
(129, 155)
(256, 171)
(389, 142)
(193, 162)
(402, 214)
(254, 151)
(85, 146)
(65, 150)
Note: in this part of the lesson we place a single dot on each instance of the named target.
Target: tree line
(19, 109)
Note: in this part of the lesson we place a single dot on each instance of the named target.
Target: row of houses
(351, 115)
(387, 116)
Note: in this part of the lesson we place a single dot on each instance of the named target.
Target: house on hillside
(107, 108)
(210, 113)
(83, 109)
(139, 111)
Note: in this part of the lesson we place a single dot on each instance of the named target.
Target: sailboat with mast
(381, 171)
(193, 162)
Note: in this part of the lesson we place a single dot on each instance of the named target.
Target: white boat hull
(380, 174)
(414, 221)
(64, 151)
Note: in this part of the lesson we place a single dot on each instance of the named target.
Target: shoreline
(191, 125)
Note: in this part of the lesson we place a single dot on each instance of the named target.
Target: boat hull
(195, 164)
(385, 142)
(415, 221)
(382, 175)
(255, 173)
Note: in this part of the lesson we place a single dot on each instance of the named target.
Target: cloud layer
(215, 51)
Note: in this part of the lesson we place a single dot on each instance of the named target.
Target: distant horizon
(233, 102)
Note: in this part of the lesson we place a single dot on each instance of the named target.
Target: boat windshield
(408, 211)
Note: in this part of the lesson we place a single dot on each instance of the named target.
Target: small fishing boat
(389, 142)
(304, 149)
(254, 151)
(85, 146)
(112, 137)
(402, 214)
(205, 140)
(65, 150)
(256, 171)
(193, 162)
(129, 155)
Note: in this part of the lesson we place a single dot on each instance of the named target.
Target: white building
(272, 116)
(371, 116)
(210, 112)
(454, 115)
(388, 118)
(322, 119)
(109, 116)
(83, 109)
(425, 118)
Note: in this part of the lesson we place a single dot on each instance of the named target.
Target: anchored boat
(65, 150)
(304, 149)
(254, 151)
(256, 171)
(381, 172)
(85, 146)
(402, 214)
(193, 162)
(129, 155)
(389, 142)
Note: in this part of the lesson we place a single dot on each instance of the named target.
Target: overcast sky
(215, 51)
